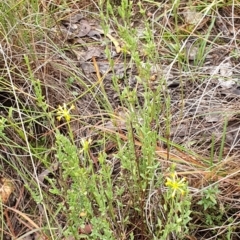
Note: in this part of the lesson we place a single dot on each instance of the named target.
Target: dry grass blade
(161, 152)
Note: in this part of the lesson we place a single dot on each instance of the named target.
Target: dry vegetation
(119, 120)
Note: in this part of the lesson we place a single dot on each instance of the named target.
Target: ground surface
(192, 79)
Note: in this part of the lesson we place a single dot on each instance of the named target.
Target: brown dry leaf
(191, 51)
(84, 28)
(70, 30)
(79, 54)
(45, 173)
(92, 52)
(192, 17)
(94, 34)
(87, 229)
(72, 19)
(6, 189)
(226, 71)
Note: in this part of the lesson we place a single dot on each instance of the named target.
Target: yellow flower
(83, 213)
(85, 145)
(176, 184)
(63, 112)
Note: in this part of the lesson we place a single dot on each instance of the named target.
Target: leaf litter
(207, 104)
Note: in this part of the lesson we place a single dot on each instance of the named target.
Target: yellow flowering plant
(175, 184)
(177, 207)
(85, 145)
(64, 112)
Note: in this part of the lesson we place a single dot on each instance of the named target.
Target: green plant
(90, 152)
(209, 197)
(177, 207)
(210, 205)
(85, 186)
